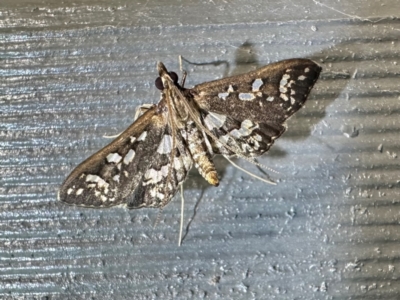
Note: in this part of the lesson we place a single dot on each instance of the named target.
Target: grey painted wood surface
(73, 72)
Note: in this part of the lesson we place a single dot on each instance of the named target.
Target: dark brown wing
(106, 178)
(251, 109)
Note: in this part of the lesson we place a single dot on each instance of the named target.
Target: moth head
(165, 77)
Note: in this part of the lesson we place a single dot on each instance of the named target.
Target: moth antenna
(249, 173)
(182, 210)
(180, 62)
(184, 73)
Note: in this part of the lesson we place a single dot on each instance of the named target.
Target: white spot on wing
(270, 98)
(160, 196)
(237, 134)
(223, 95)
(292, 100)
(284, 79)
(153, 176)
(93, 178)
(187, 162)
(142, 136)
(224, 138)
(301, 77)
(306, 70)
(283, 83)
(114, 158)
(213, 120)
(257, 84)
(129, 157)
(177, 163)
(164, 170)
(246, 147)
(165, 146)
(284, 97)
(78, 192)
(247, 124)
(246, 128)
(116, 178)
(70, 191)
(97, 179)
(258, 137)
(246, 96)
(133, 139)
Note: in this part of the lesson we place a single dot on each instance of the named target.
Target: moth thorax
(182, 115)
(180, 110)
(179, 119)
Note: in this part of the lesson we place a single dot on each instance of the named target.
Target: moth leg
(142, 109)
(139, 111)
(249, 173)
(182, 210)
(112, 136)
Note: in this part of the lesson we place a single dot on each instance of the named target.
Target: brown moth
(235, 116)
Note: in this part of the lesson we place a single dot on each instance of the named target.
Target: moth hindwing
(240, 115)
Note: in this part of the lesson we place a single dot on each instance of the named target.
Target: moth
(235, 116)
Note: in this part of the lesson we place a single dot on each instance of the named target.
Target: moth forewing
(96, 182)
(265, 93)
(240, 115)
(252, 108)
